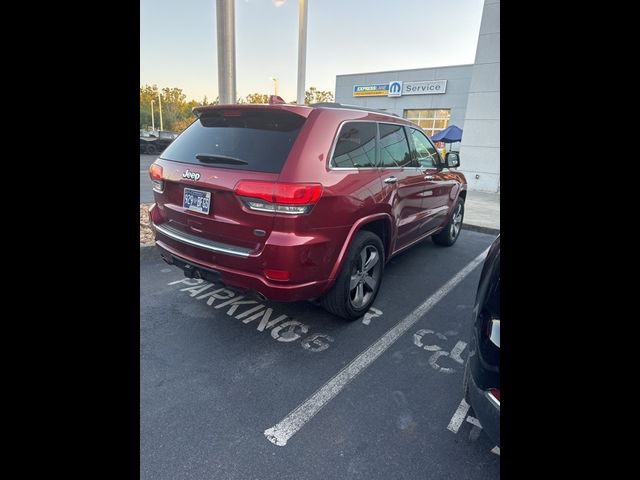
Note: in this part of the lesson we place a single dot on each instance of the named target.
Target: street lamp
(160, 107)
(153, 125)
(275, 84)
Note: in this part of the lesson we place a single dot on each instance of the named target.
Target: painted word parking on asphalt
(250, 310)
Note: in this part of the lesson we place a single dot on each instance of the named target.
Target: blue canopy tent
(451, 134)
(448, 135)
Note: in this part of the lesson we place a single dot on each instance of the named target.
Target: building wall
(480, 149)
(458, 82)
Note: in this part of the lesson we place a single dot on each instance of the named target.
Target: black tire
(451, 231)
(345, 300)
(151, 150)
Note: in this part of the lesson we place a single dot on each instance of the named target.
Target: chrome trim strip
(202, 243)
(493, 400)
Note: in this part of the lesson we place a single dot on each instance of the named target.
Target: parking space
(219, 369)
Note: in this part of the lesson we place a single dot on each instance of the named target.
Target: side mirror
(452, 159)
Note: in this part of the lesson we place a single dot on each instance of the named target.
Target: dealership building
(467, 96)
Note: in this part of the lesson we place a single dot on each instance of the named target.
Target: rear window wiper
(208, 157)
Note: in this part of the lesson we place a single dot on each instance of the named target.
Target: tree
(180, 125)
(257, 98)
(174, 107)
(148, 94)
(313, 95)
(176, 111)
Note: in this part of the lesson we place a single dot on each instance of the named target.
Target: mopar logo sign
(395, 89)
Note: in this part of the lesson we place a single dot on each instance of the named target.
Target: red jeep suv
(301, 202)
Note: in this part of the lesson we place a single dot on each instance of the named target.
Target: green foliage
(176, 111)
(147, 94)
(257, 98)
(313, 95)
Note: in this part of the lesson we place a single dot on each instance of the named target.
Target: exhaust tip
(260, 296)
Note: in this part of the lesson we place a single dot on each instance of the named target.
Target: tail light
(290, 198)
(494, 396)
(495, 392)
(155, 172)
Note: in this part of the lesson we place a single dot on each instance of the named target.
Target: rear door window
(240, 139)
(356, 146)
(394, 147)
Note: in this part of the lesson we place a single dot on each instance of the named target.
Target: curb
(481, 229)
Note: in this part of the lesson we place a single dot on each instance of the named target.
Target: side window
(394, 148)
(426, 152)
(356, 146)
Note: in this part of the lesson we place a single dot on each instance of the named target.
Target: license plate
(197, 200)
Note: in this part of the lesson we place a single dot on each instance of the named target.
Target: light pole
(275, 84)
(160, 107)
(226, 37)
(302, 49)
(153, 125)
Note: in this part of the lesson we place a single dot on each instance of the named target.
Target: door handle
(428, 177)
(391, 179)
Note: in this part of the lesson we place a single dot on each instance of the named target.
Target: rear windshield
(240, 139)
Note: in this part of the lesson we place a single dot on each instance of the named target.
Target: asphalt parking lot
(146, 193)
(218, 371)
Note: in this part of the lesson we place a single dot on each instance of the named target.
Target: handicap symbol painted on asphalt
(454, 354)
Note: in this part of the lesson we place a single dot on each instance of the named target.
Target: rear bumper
(281, 292)
(486, 410)
(309, 257)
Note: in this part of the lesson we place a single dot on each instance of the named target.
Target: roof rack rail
(351, 107)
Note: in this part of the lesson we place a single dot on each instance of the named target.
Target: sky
(178, 41)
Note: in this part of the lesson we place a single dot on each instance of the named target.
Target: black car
(153, 144)
(482, 371)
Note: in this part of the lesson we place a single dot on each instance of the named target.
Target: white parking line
(281, 432)
(458, 417)
(474, 421)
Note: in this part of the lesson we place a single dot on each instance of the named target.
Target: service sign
(375, 90)
(398, 88)
(426, 87)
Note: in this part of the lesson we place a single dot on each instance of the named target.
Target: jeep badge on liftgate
(191, 175)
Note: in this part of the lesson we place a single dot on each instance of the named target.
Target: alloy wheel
(456, 222)
(364, 277)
